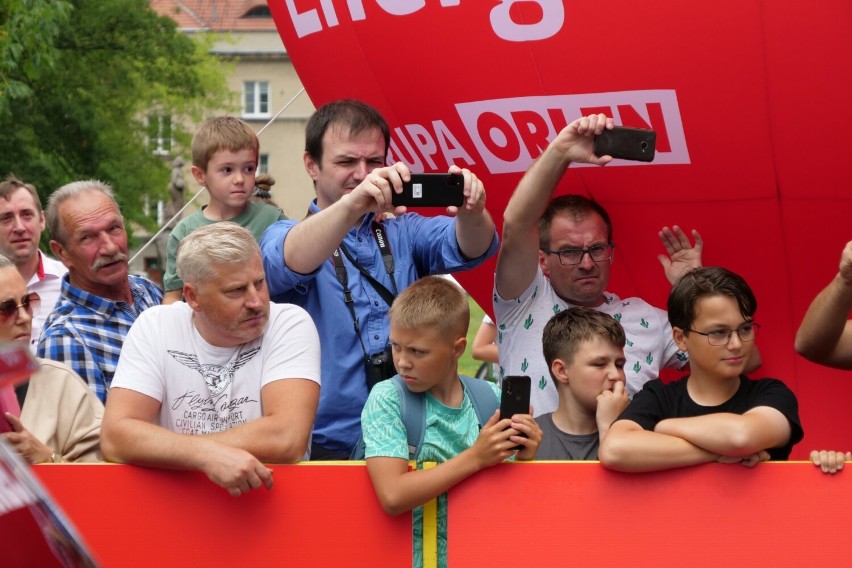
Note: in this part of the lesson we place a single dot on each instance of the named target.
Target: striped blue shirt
(86, 332)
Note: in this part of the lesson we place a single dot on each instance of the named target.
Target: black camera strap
(343, 278)
(387, 257)
(386, 294)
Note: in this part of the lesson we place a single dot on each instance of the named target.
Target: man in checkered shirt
(99, 300)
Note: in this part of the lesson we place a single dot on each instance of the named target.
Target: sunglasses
(9, 308)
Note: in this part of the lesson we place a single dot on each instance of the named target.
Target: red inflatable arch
(750, 100)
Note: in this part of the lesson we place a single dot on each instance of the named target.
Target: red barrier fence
(579, 514)
(539, 514)
(314, 516)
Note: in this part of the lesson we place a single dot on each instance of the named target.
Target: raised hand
(682, 255)
(375, 192)
(576, 142)
(846, 263)
(474, 194)
(611, 403)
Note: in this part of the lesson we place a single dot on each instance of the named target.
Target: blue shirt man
(346, 146)
(99, 299)
(86, 331)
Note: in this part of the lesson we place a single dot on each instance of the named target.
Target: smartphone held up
(515, 397)
(638, 144)
(431, 190)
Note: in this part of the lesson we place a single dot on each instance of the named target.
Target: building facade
(264, 81)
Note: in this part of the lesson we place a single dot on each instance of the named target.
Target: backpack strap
(482, 397)
(412, 407)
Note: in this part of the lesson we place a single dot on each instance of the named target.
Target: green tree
(78, 79)
(28, 30)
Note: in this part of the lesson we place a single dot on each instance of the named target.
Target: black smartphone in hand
(431, 190)
(637, 144)
(515, 398)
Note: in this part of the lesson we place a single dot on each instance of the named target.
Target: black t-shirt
(658, 401)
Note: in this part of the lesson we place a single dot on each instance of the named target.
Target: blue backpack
(413, 410)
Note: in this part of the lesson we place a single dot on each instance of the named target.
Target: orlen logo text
(510, 133)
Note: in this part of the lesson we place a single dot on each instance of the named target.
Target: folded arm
(129, 436)
(281, 435)
(629, 447)
(732, 435)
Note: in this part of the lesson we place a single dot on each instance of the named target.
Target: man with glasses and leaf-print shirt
(557, 253)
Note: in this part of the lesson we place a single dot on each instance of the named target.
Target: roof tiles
(215, 15)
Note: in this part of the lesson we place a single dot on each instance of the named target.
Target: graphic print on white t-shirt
(219, 379)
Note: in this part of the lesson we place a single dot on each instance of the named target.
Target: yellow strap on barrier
(430, 528)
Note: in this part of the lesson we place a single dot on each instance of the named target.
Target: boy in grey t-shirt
(584, 350)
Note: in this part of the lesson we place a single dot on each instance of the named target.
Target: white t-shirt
(520, 326)
(47, 283)
(205, 389)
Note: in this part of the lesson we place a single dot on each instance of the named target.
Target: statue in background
(176, 186)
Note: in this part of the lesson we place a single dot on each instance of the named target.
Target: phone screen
(431, 190)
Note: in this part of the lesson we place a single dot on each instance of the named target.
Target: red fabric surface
(748, 97)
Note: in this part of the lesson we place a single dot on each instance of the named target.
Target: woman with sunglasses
(59, 417)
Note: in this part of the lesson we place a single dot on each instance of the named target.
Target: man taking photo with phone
(557, 253)
(344, 263)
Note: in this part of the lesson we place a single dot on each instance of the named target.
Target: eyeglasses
(718, 337)
(571, 256)
(9, 308)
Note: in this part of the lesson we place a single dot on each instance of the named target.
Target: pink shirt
(8, 403)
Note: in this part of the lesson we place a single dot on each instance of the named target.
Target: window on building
(160, 134)
(263, 164)
(159, 215)
(256, 99)
(259, 11)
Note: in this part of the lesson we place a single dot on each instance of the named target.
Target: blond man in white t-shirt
(222, 382)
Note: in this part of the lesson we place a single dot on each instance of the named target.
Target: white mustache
(104, 260)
